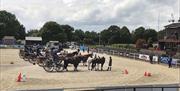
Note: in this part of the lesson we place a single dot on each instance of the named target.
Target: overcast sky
(93, 15)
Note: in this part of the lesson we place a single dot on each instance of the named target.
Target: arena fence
(138, 55)
(12, 46)
(167, 87)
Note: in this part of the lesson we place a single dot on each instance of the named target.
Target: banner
(144, 57)
(175, 61)
(164, 59)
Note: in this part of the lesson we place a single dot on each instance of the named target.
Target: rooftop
(169, 40)
(34, 38)
(9, 37)
(173, 25)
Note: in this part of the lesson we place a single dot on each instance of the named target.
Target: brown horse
(97, 61)
(72, 54)
(84, 58)
(72, 60)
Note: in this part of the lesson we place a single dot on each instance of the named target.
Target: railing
(173, 88)
(166, 87)
(133, 55)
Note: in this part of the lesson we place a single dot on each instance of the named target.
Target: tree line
(52, 31)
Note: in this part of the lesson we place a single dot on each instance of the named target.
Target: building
(9, 40)
(33, 40)
(171, 38)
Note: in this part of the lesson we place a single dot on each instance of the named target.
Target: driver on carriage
(54, 54)
(38, 50)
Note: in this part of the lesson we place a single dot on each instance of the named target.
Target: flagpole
(179, 7)
(0, 5)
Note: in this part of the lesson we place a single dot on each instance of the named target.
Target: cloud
(92, 14)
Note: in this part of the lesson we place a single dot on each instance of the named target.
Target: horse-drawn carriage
(56, 59)
(32, 49)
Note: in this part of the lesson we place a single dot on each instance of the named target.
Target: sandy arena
(37, 78)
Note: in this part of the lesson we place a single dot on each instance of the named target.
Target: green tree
(95, 37)
(10, 26)
(138, 34)
(125, 35)
(33, 33)
(52, 31)
(150, 34)
(161, 34)
(78, 36)
(91, 37)
(68, 30)
(110, 35)
(114, 28)
(104, 36)
(150, 42)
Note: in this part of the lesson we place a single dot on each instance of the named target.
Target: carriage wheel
(25, 59)
(41, 64)
(60, 66)
(20, 55)
(32, 60)
(48, 67)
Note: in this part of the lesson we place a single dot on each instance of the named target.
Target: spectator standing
(170, 61)
(110, 64)
(151, 58)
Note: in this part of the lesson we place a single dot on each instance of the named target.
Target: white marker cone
(24, 79)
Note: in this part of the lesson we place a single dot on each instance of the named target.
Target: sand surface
(37, 78)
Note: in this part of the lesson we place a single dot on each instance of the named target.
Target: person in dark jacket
(60, 47)
(54, 52)
(110, 64)
(78, 50)
(88, 49)
(170, 61)
(151, 58)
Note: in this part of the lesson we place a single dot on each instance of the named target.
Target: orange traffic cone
(126, 72)
(149, 74)
(19, 78)
(145, 73)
